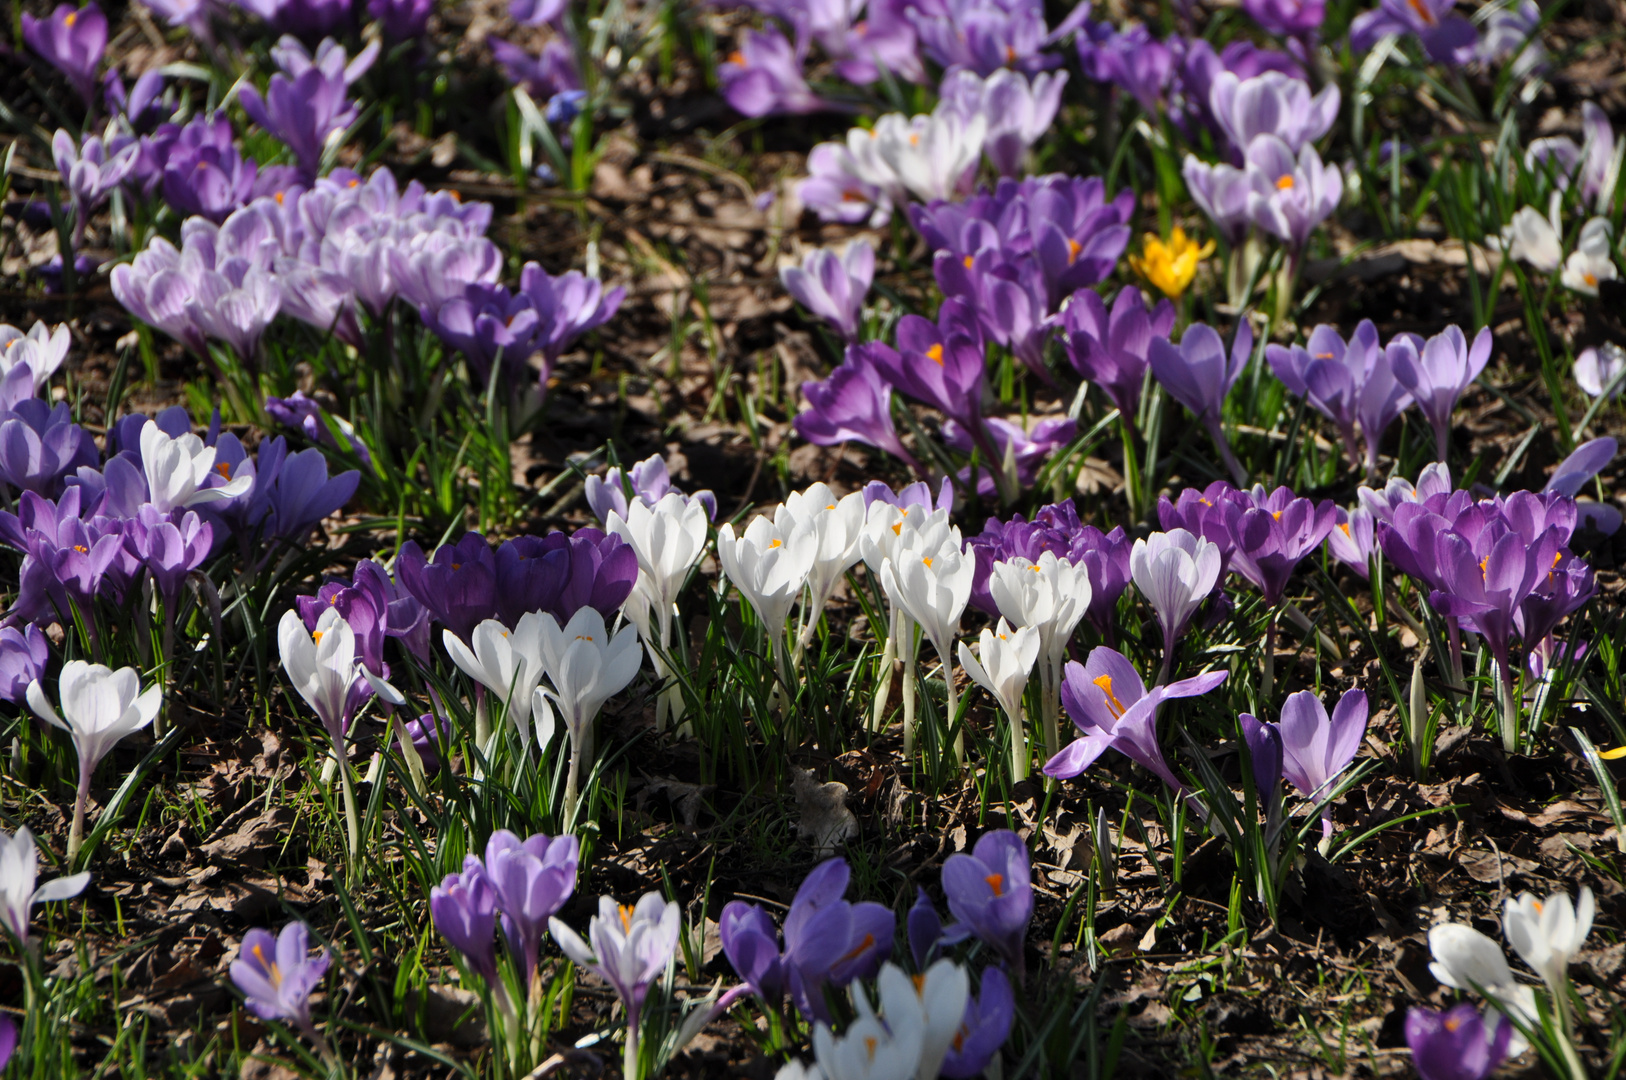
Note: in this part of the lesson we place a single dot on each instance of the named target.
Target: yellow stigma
(1284, 182)
(776, 543)
(996, 882)
(859, 949)
(737, 57)
(1452, 1023)
(273, 972)
(1114, 706)
(1073, 248)
(935, 354)
(1590, 279)
(316, 636)
(1170, 267)
(927, 560)
(869, 1044)
(914, 138)
(579, 637)
(81, 549)
(224, 469)
(920, 985)
(68, 20)
(897, 530)
(1423, 12)
(1344, 527)
(969, 261)
(1323, 356)
(625, 911)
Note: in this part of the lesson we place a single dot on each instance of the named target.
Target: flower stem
(883, 680)
(629, 1057)
(1019, 748)
(572, 780)
(76, 833)
(352, 819)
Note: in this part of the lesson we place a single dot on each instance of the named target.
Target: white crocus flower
(885, 527)
(939, 997)
(1592, 260)
(177, 468)
(1534, 239)
(1052, 596)
(1548, 934)
(769, 566)
(321, 664)
(1007, 658)
(930, 154)
(869, 1049)
(586, 667)
(41, 349)
(669, 539)
(1465, 959)
(836, 525)
(508, 663)
(1176, 571)
(100, 706)
(930, 578)
(19, 867)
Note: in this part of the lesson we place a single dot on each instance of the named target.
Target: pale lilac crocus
(853, 404)
(1112, 709)
(1018, 112)
(1176, 572)
(630, 949)
(1288, 195)
(90, 172)
(1352, 539)
(1221, 192)
(19, 869)
(1199, 373)
(73, 41)
(832, 286)
(1446, 37)
(1597, 369)
(278, 975)
(1317, 749)
(1271, 103)
(1352, 384)
(763, 77)
(531, 880)
(1437, 373)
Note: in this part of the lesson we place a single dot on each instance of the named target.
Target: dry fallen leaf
(824, 819)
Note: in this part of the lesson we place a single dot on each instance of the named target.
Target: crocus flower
(1288, 195)
(458, 585)
(531, 879)
(1271, 535)
(100, 706)
(1352, 384)
(73, 41)
(1286, 18)
(853, 404)
(546, 76)
(39, 445)
(1595, 163)
(1171, 266)
(170, 546)
(430, 736)
(836, 523)
(509, 664)
(1454, 1045)
(830, 941)
(869, 1049)
(1111, 351)
(936, 1000)
(630, 950)
(1437, 373)
(208, 181)
(321, 664)
(939, 364)
(990, 892)
(568, 305)
(1112, 709)
(650, 483)
(89, 172)
(1592, 260)
(1585, 462)
(833, 286)
(986, 1026)
(1221, 192)
(41, 351)
(769, 566)
(305, 413)
(1051, 595)
(1446, 37)
(1271, 103)
(1315, 749)
(1353, 538)
(1265, 755)
(1007, 658)
(23, 656)
(1534, 239)
(848, 183)
(177, 468)
(308, 19)
(751, 944)
(1018, 112)
(1176, 572)
(278, 975)
(464, 908)
(537, 12)
(306, 112)
(1199, 374)
(932, 156)
(19, 867)
(1509, 36)
(1465, 959)
(402, 20)
(1548, 934)
(294, 491)
(763, 77)
(1131, 59)
(932, 586)
(586, 667)
(1018, 453)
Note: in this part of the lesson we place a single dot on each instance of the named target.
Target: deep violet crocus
(401, 20)
(1446, 37)
(853, 404)
(1352, 384)
(1111, 351)
(1112, 709)
(73, 41)
(1199, 373)
(1454, 1045)
(751, 943)
(990, 893)
(939, 364)
(309, 19)
(986, 1026)
(833, 286)
(458, 586)
(39, 445)
(278, 975)
(829, 941)
(1437, 372)
(1271, 534)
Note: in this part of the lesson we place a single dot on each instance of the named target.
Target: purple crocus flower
(278, 975)
(854, 403)
(1221, 192)
(1446, 37)
(402, 20)
(915, 495)
(1112, 709)
(1438, 372)
(843, 186)
(170, 546)
(1198, 65)
(1265, 755)
(1289, 196)
(294, 492)
(924, 928)
(90, 173)
(487, 323)
(1271, 103)
(1111, 351)
(561, 574)
(1199, 374)
(405, 617)
(307, 415)
(983, 36)
(464, 908)
(1018, 112)
(1022, 450)
(828, 941)
(1078, 235)
(1315, 749)
(751, 944)
(304, 112)
(360, 610)
(308, 19)
(1271, 534)
(459, 586)
(990, 892)
(431, 737)
(24, 655)
(1561, 592)
(1287, 18)
(73, 41)
(1353, 538)
(1454, 1045)
(208, 181)
(544, 76)
(986, 1026)
(763, 77)
(39, 445)
(1486, 582)
(833, 286)
(567, 306)
(939, 364)
(532, 879)
(1057, 529)
(1132, 60)
(651, 482)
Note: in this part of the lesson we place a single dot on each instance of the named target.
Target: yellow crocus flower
(1170, 266)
